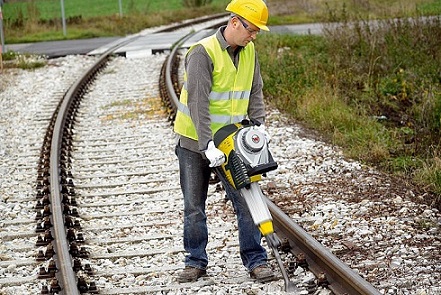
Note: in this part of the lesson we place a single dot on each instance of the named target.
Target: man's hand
(214, 155)
(262, 129)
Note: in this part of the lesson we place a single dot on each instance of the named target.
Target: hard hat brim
(264, 28)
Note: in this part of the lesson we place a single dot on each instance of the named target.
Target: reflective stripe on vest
(230, 91)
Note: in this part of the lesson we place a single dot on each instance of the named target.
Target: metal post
(120, 8)
(63, 18)
(2, 37)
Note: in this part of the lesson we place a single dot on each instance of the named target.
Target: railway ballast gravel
(370, 220)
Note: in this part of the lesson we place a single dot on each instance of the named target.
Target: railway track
(115, 179)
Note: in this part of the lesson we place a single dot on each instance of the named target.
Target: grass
(22, 61)
(51, 9)
(298, 11)
(142, 109)
(374, 92)
(40, 20)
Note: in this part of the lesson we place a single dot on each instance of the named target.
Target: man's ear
(234, 21)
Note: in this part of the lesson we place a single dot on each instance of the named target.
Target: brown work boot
(191, 274)
(262, 274)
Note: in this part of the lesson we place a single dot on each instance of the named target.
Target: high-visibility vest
(230, 91)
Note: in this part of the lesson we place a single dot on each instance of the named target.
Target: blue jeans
(194, 176)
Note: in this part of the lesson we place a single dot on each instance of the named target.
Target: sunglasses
(247, 27)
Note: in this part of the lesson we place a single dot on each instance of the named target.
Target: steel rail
(66, 275)
(341, 278)
(170, 88)
(67, 279)
(194, 21)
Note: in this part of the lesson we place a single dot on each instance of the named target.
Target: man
(222, 85)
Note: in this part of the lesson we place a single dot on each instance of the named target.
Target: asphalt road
(54, 49)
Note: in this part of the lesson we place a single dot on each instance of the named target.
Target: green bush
(393, 70)
(195, 3)
(290, 66)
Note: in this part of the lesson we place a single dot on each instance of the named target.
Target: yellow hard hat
(254, 11)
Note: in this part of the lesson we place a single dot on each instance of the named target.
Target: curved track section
(59, 242)
(63, 234)
(128, 198)
(114, 212)
(109, 208)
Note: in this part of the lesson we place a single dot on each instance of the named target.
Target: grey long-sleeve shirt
(199, 68)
